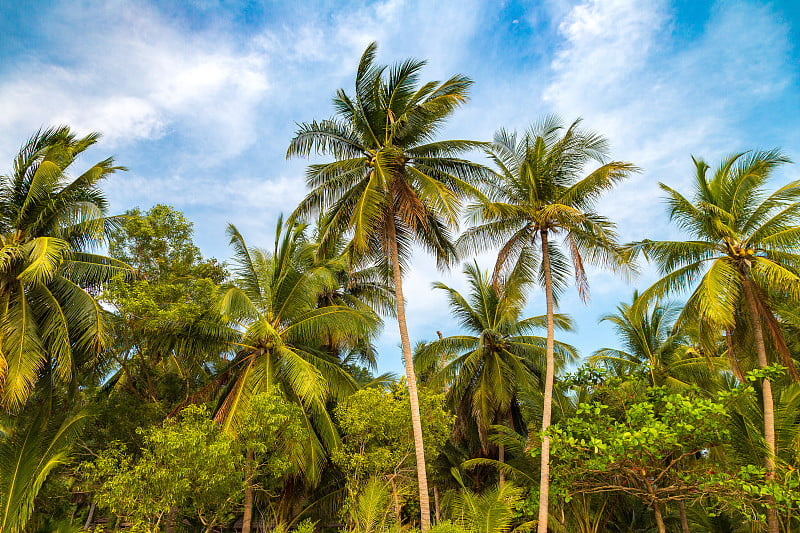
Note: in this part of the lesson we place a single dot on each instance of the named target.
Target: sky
(199, 99)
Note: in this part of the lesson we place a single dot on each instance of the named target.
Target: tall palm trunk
(248, 493)
(544, 481)
(89, 518)
(416, 423)
(766, 396)
(501, 458)
(442, 363)
(436, 503)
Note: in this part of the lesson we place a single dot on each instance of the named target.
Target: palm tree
(390, 185)
(653, 346)
(538, 193)
(498, 355)
(745, 246)
(27, 457)
(489, 512)
(49, 223)
(747, 444)
(359, 285)
(274, 304)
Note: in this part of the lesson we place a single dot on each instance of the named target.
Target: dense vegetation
(152, 389)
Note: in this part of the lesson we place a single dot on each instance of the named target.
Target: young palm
(390, 185)
(540, 193)
(745, 246)
(652, 345)
(49, 223)
(273, 303)
(365, 287)
(497, 356)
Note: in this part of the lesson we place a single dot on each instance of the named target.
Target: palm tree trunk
(766, 395)
(544, 481)
(416, 422)
(734, 364)
(501, 457)
(442, 363)
(436, 503)
(248, 493)
(684, 518)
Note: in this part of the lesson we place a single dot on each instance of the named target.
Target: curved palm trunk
(248, 493)
(416, 422)
(544, 481)
(766, 392)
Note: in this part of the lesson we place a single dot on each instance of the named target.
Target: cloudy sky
(200, 98)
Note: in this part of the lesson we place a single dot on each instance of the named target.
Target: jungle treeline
(144, 387)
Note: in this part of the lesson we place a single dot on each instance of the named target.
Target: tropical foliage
(49, 224)
(154, 389)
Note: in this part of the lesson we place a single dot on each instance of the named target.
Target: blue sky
(199, 100)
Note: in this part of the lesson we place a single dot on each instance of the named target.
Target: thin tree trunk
(544, 481)
(436, 502)
(396, 501)
(659, 518)
(89, 518)
(442, 363)
(416, 423)
(766, 392)
(684, 518)
(248, 493)
(501, 457)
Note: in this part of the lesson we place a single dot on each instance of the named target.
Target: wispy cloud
(202, 112)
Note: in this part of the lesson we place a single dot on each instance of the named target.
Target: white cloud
(658, 104)
(208, 113)
(619, 67)
(141, 79)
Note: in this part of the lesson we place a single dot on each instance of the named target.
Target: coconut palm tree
(744, 247)
(390, 184)
(655, 348)
(50, 222)
(496, 357)
(540, 193)
(359, 285)
(273, 303)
